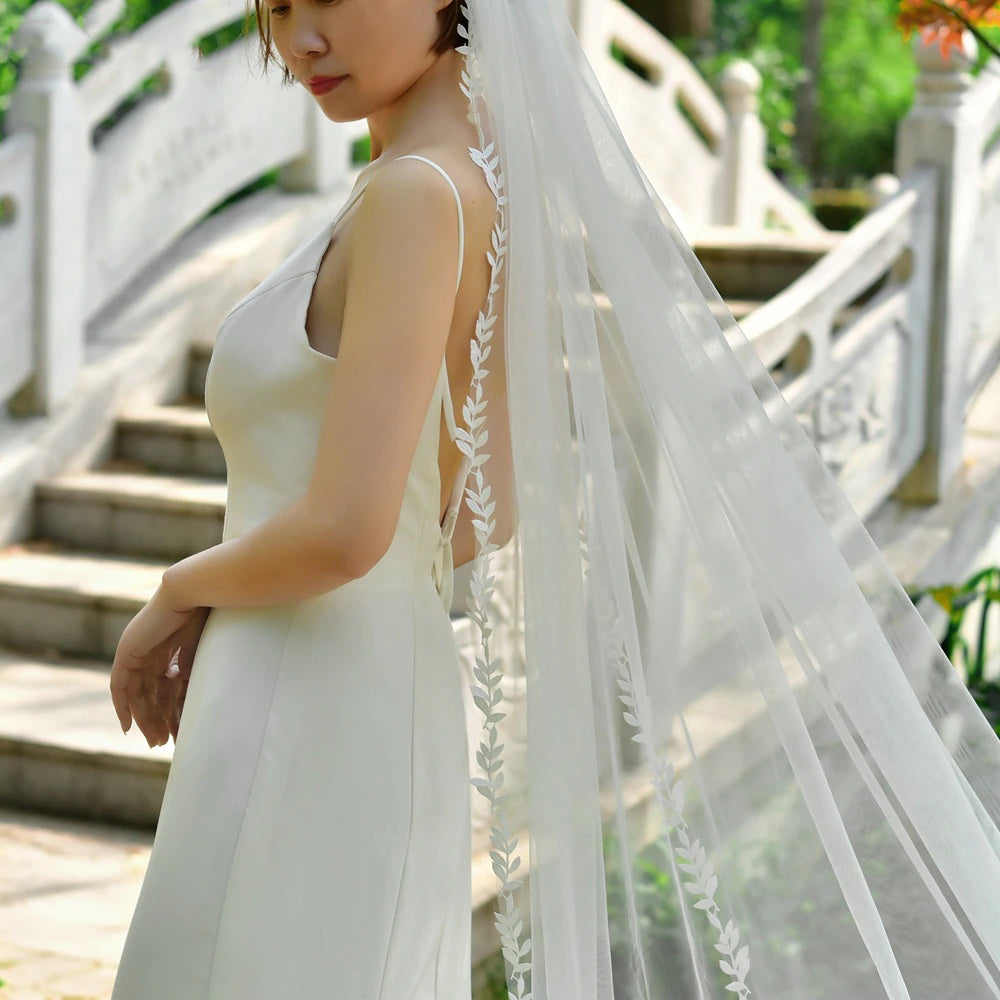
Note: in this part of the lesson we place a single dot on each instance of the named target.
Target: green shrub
(981, 592)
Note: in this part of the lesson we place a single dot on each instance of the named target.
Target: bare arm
(399, 303)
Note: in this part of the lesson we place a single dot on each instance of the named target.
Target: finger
(144, 705)
(135, 692)
(169, 693)
(171, 688)
(138, 702)
(161, 708)
(119, 685)
(158, 707)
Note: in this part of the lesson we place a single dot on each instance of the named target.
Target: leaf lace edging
(488, 671)
(670, 793)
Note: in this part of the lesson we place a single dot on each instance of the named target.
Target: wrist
(170, 592)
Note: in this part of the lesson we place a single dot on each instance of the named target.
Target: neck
(422, 113)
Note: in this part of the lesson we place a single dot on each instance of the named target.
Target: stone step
(172, 439)
(62, 750)
(70, 889)
(132, 513)
(61, 601)
(62, 753)
(201, 354)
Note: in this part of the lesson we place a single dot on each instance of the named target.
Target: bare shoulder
(478, 202)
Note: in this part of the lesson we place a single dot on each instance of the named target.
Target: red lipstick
(321, 84)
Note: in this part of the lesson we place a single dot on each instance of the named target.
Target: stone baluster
(881, 189)
(742, 155)
(941, 130)
(46, 103)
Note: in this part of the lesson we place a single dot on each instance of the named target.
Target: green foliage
(495, 979)
(11, 12)
(865, 88)
(135, 13)
(981, 591)
(767, 34)
(866, 82)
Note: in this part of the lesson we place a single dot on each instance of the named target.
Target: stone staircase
(102, 538)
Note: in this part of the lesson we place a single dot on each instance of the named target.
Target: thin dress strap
(449, 411)
(455, 500)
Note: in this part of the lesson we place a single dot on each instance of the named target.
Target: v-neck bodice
(265, 394)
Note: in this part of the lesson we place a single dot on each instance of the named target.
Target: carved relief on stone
(861, 405)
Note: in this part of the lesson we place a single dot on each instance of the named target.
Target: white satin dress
(314, 839)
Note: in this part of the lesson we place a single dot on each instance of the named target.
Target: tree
(807, 92)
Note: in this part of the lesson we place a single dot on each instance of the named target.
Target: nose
(306, 41)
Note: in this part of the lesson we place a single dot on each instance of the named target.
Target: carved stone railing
(133, 188)
(704, 157)
(952, 127)
(854, 371)
(137, 185)
(881, 346)
(984, 306)
(17, 237)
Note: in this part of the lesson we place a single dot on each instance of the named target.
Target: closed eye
(280, 11)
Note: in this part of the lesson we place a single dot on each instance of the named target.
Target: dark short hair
(448, 37)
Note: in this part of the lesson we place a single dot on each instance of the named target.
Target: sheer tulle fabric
(748, 769)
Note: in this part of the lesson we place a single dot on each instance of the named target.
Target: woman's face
(381, 46)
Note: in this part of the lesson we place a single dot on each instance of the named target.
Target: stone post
(587, 18)
(941, 130)
(744, 148)
(46, 103)
(882, 188)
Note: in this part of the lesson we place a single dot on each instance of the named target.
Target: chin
(339, 116)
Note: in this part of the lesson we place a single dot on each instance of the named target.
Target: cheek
(387, 62)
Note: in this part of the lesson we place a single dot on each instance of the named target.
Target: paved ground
(67, 891)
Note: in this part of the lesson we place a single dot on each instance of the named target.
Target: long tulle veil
(747, 767)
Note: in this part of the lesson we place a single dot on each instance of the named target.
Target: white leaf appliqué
(488, 671)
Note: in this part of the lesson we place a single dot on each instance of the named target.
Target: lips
(321, 84)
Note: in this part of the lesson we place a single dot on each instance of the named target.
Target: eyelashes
(281, 10)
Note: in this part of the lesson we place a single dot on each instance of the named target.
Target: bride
(746, 766)
(314, 837)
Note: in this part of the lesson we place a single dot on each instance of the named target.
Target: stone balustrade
(90, 205)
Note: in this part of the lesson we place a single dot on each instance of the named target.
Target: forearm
(280, 561)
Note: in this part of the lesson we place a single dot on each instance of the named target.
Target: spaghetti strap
(455, 500)
(449, 410)
(458, 201)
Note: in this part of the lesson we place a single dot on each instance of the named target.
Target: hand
(174, 683)
(152, 666)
